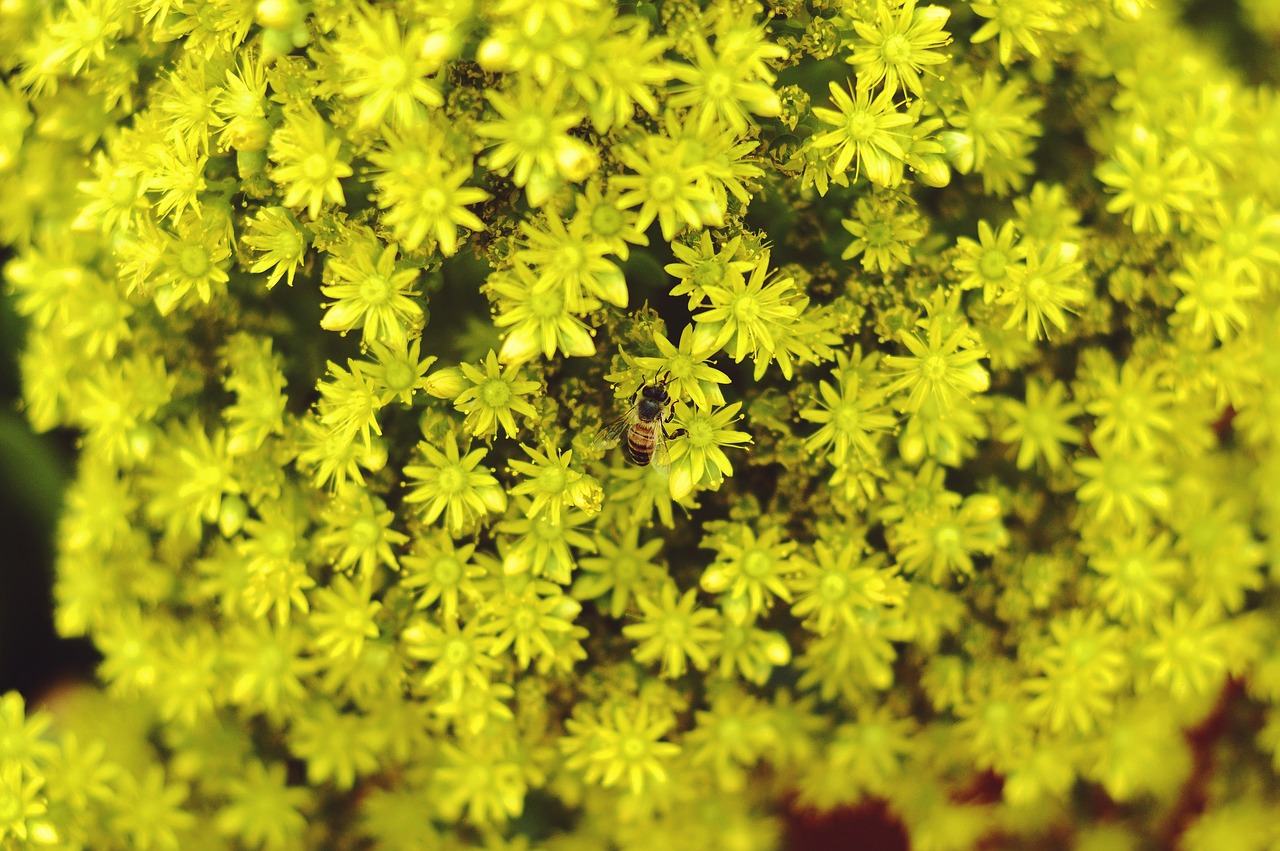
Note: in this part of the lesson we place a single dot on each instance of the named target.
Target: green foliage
(969, 314)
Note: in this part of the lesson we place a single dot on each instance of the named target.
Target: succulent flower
(952, 327)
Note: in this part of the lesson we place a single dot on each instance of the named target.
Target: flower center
(633, 748)
(833, 586)
(364, 533)
(548, 305)
(123, 189)
(718, 85)
(1035, 288)
(674, 630)
(934, 367)
(746, 308)
(317, 168)
(432, 201)
(1149, 187)
(625, 568)
(860, 126)
(552, 481)
(708, 272)
(546, 530)
(571, 258)
(879, 234)
(1133, 570)
(756, 563)
(680, 367)
(393, 72)
(662, 187)
(447, 570)
(194, 261)
(1212, 293)
(606, 220)
(895, 50)
(457, 651)
(451, 479)
(495, 392)
(375, 289)
(699, 433)
(524, 621)
(994, 265)
(847, 418)
(398, 376)
(947, 538)
(531, 131)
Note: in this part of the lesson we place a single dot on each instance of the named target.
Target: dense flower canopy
(968, 319)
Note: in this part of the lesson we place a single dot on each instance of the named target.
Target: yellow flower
(698, 459)
(454, 485)
(494, 395)
(372, 295)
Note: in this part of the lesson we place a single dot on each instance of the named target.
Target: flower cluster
(946, 334)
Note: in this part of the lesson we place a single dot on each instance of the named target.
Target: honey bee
(645, 427)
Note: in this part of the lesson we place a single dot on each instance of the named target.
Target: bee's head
(657, 391)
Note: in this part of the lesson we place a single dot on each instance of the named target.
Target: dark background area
(34, 470)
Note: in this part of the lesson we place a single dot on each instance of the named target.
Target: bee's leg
(680, 432)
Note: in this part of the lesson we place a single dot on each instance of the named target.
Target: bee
(645, 427)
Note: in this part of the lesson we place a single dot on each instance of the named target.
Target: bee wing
(661, 459)
(610, 435)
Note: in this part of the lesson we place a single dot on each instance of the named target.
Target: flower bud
(931, 17)
(373, 457)
(276, 43)
(231, 515)
(520, 345)
(576, 342)
(777, 650)
(493, 55)
(515, 562)
(494, 499)
(911, 447)
(680, 484)
(566, 608)
(704, 339)
(141, 441)
(445, 383)
(576, 160)
(959, 148)
(975, 378)
(1128, 10)
(279, 14)
(714, 580)
(439, 47)
(981, 508)
(248, 134)
(710, 212)
(933, 171)
(250, 163)
(542, 187)
(613, 286)
(764, 101)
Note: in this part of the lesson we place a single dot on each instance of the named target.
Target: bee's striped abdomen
(640, 440)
